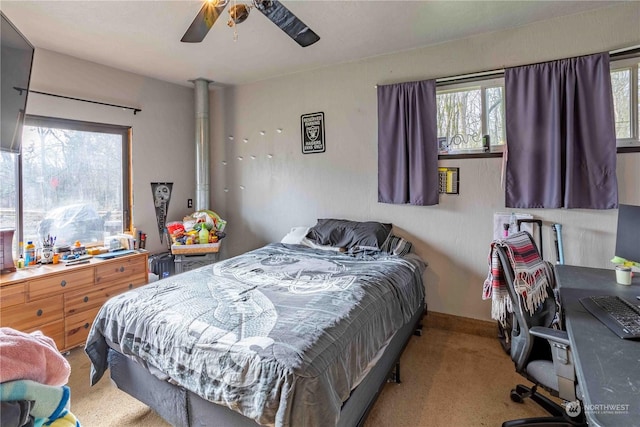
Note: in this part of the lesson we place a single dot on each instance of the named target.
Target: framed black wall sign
(312, 133)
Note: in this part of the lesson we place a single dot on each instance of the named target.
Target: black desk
(607, 367)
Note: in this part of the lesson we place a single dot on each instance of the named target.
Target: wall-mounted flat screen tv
(15, 66)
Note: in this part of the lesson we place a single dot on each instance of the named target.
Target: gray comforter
(281, 334)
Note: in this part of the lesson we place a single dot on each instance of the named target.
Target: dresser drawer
(58, 283)
(123, 270)
(31, 315)
(13, 294)
(77, 301)
(77, 327)
(53, 330)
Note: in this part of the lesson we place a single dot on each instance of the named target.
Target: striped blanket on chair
(533, 276)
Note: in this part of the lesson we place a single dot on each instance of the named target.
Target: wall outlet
(189, 203)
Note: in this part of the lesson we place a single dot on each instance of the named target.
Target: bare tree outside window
(621, 87)
(495, 115)
(8, 189)
(460, 119)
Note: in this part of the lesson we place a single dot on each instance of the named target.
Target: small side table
(188, 257)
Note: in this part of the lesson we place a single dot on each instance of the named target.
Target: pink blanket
(31, 356)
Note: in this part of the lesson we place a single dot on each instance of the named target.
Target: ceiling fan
(238, 12)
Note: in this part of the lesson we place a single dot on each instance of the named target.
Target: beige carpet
(448, 379)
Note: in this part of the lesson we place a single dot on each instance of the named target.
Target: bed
(284, 335)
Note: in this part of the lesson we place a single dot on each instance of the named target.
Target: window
(70, 181)
(469, 111)
(621, 85)
(625, 83)
(8, 190)
(467, 114)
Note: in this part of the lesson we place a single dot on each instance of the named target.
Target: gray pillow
(342, 233)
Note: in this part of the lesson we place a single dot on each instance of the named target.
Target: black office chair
(542, 355)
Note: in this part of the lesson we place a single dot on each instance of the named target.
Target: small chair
(541, 354)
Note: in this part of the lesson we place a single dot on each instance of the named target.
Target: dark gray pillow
(348, 234)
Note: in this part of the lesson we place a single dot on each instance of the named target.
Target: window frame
(631, 144)
(77, 125)
(483, 81)
(483, 84)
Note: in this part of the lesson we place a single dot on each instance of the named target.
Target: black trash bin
(162, 265)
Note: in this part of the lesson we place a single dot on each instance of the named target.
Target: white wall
(163, 132)
(292, 189)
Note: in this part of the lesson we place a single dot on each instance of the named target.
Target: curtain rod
(124, 107)
(492, 74)
(623, 53)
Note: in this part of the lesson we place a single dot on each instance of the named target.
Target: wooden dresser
(62, 301)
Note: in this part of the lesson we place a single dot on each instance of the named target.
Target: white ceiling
(144, 36)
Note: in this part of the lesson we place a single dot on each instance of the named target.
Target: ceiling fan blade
(203, 22)
(287, 21)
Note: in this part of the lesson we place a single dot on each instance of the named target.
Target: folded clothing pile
(32, 381)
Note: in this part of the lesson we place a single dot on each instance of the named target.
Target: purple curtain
(407, 143)
(561, 135)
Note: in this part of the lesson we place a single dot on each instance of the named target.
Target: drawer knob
(85, 299)
(39, 313)
(121, 269)
(63, 283)
(130, 285)
(86, 326)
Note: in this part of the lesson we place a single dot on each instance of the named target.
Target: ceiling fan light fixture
(238, 13)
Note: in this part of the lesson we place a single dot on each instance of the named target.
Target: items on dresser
(30, 254)
(46, 250)
(6, 251)
(62, 250)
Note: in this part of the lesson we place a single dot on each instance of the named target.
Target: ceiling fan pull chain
(235, 27)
